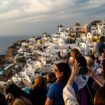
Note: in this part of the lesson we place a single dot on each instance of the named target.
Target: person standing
(62, 72)
(100, 46)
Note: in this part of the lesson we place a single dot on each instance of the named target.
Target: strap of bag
(88, 89)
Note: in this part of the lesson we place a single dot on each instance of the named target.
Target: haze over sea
(7, 41)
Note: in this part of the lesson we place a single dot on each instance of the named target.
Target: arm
(69, 95)
(68, 92)
(18, 102)
(99, 81)
(50, 95)
(48, 101)
(92, 74)
(75, 71)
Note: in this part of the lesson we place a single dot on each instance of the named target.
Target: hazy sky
(28, 17)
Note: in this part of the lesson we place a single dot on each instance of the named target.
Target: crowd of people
(79, 81)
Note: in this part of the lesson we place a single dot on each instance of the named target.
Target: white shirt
(80, 81)
(69, 95)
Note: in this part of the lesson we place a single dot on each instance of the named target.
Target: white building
(101, 28)
(60, 28)
(93, 30)
(32, 39)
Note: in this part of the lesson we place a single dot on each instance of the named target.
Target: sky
(34, 17)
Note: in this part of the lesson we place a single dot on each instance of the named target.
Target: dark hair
(65, 68)
(82, 64)
(16, 91)
(83, 70)
(81, 60)
(92, 56)
(76, 51)
(51, 77)
(102, 38)
(3, 101)
(100, 97)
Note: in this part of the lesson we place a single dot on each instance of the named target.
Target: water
(7, 41)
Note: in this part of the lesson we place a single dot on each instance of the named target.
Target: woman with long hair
(62, 72)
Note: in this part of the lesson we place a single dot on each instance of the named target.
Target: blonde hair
(89, 60)
(39, 81)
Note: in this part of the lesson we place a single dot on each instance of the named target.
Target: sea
(7, 41)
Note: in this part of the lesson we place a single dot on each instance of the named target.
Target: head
(99, 98)
(62, 71)
(102, 39)
(92, 56)
(3, 101)
(97, 60)
(81, 60)
(90, 61)
(75, 52)
(14, 91)
(71, 61)
(39, 81)
(103, 55)
(10, 98)
(82, 65)
(50, 77)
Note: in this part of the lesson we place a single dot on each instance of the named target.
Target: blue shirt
(55, 92)
(26, 89)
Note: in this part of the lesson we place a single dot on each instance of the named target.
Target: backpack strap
(75, 87)
(88, 89)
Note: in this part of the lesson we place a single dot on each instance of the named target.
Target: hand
(99, 80)
(75, 69)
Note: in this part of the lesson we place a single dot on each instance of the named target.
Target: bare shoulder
(18, 102)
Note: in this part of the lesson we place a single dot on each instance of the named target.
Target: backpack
(83, 95)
